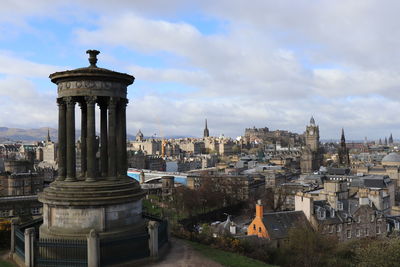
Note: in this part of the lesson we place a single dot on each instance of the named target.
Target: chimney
(259, 209)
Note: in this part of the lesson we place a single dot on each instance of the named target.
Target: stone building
(18, 166)
(238, 187)
(27, 152)
(21, 184)
(136, 159)
(390, 166)
(49, 150)
(225, 147)
(20, 206)
(311, 158)
(148, 146)
(264, 135)
(191, 146)
(155, 163)
(333, 212)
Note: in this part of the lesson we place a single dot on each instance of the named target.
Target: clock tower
(311, 156)
(312, 135)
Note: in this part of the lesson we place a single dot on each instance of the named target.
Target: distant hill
(17, 134)
(40, 134)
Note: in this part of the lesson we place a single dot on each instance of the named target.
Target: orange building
(275, 225)
(257, 226)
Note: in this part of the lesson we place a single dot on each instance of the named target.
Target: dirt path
(182, 255)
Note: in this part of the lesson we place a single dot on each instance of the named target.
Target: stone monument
(101, 197)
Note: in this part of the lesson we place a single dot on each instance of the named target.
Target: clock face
(311, 132)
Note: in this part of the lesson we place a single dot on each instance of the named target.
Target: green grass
(5, 264)
(226, 258)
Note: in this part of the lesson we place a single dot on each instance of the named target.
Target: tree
(382, 253)
(308, 248)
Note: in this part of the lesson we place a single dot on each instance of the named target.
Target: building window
(348, 233)
(372, 218)
(339, 228)
(35, 211)
(4, 213)
(259, 229)
(332, 229)
(254, 227)
(358, 232)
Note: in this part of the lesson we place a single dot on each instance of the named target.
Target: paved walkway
(182, 255)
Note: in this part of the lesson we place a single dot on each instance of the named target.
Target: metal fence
(123, 249)
(19, 243)
(63, 253)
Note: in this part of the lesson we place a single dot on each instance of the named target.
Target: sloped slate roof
(391, 157)
(278, 224)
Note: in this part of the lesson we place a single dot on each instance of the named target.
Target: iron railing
(60, 252)
(162, 233)
(19, 243)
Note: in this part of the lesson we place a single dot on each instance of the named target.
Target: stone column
(71, 166)
(62, 139)
(112, 138)
(103, 140)
(153, 239)
(29, 247)
(91, 138)
(122, 153)
(93, 249)
(14, 223)
(118, 138)
(83, 138)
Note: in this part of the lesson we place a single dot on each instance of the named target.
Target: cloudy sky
(237, 63)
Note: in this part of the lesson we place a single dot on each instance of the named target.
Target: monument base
(111, 207)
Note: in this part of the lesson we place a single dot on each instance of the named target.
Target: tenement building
(334, 212)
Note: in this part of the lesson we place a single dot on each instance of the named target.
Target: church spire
(343, 139)
(390, 139)
(206, 132)
(48, 140)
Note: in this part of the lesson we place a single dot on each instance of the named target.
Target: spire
(48, 136)
(343, 139)
(206, 132)
(391, 139)
(312, 121)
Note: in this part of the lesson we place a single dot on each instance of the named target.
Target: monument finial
(93, 57)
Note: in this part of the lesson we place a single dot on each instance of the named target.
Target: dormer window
(340, 205)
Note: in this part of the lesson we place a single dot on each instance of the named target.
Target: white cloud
(275, 64)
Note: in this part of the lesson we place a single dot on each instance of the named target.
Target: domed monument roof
(391, 157)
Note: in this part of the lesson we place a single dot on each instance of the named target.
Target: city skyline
(266, 64)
